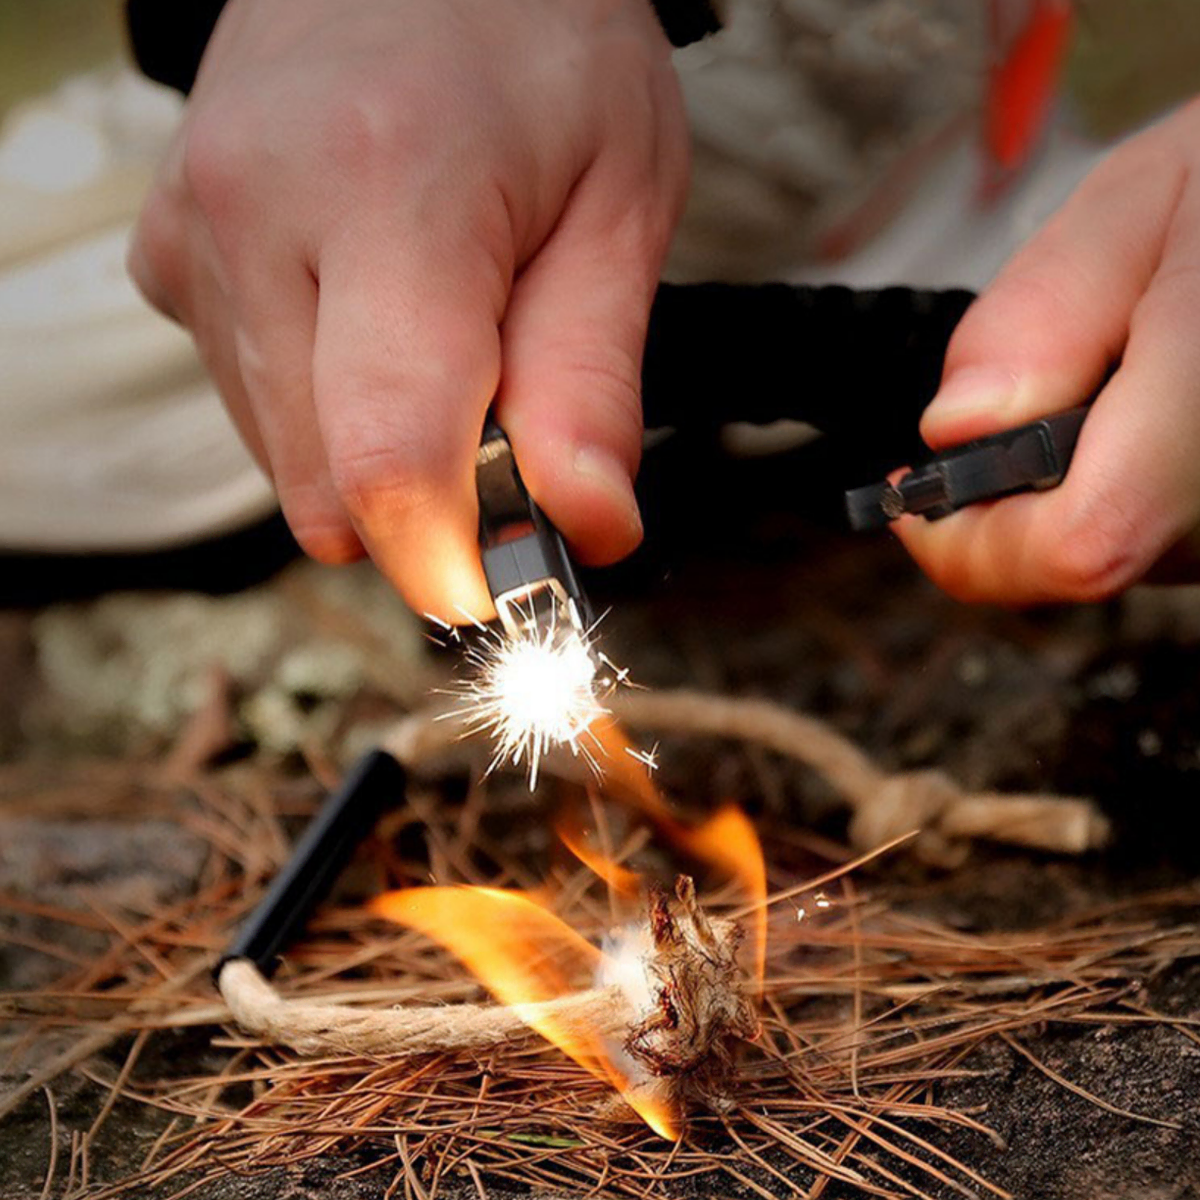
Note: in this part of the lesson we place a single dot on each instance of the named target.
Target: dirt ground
(744, 587)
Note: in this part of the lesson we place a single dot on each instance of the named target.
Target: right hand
(379, 215)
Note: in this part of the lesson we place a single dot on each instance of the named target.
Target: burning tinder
(654, 1013)
(664, 1004)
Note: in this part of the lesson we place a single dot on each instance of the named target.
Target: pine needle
(867, 1012)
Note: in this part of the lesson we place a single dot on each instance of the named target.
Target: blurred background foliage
(44, 41)
(1131, 58)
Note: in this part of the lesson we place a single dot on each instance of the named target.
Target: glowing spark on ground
(534, 691)
(820, 901)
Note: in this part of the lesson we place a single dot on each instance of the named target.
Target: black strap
(861, 363)
(686, 21)
(169, 39)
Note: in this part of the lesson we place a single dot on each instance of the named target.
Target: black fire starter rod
(377, 781)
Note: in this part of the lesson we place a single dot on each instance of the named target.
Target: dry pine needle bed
(865, 1009)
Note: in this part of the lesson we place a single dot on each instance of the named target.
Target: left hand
(1114, 276)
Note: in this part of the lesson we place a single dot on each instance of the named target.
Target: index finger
(406, 361)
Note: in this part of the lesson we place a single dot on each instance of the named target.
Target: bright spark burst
(534, 691)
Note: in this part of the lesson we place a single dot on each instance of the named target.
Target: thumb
(570, 394)
(1041, 338)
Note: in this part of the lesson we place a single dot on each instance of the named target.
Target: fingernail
(603, 469)
(974, 390)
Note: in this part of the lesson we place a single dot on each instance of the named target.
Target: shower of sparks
(534, 691)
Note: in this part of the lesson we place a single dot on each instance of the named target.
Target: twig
(52, 1165)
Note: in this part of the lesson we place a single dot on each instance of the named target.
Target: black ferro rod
(377, 781)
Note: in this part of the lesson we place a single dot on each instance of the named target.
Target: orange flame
(525, 955)
(727, 840)
(619, 878)
(624, 772)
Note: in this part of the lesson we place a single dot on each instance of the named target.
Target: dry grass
(867, 1009)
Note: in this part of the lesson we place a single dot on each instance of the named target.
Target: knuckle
(217, 158)
(376, 125)
(385, 485)
(634, 60)
(644, 231)
(1037, 309)
(612, 380)
(319, 523)
(154, 258)
(1043, 293)
(328, 542)
(626, 38)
